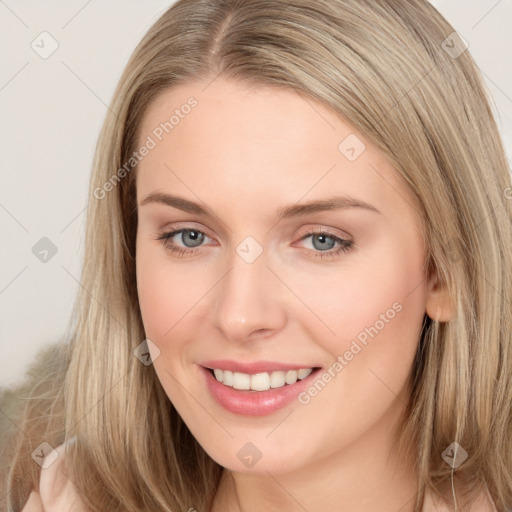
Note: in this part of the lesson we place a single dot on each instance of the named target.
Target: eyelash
(344, 245)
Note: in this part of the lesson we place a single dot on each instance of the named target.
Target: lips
(249, 402)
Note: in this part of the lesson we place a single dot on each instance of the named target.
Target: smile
(260, 381)
(257, 392)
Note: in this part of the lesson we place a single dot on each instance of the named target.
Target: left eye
(322, 242)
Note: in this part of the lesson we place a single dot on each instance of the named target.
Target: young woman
(297, 284)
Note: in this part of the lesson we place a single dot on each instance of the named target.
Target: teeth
(227, 377)
(277, 379)
(260, 381)
(303, 373)
(241, 380)
(291, 377)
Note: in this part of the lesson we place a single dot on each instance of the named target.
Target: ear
(439, 305)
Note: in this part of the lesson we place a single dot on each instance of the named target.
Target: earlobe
(439, 305)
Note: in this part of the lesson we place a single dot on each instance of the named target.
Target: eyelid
(337, 233)
(185, 226)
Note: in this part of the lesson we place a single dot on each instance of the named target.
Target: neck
(368, 475)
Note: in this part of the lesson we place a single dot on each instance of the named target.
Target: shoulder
(57, 492)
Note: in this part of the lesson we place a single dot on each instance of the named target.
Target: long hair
(398, 72)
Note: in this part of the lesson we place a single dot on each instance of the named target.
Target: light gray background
(51, 113)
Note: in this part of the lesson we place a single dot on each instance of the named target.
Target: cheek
(376, 309)
(167, 292)
(155, 296)
(168, 299)
(376, 298)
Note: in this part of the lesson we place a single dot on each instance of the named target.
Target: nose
(249, 301)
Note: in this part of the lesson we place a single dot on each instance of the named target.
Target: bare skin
(243, 153)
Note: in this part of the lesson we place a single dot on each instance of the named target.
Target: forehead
(254, 116)
(259, 144)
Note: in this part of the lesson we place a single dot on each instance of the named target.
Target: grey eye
(325, 242)
(191, 237)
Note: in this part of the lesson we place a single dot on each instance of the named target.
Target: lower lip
(254, 403)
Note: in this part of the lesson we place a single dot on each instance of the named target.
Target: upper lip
(254, 366)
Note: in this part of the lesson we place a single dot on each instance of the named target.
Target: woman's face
(296, 246)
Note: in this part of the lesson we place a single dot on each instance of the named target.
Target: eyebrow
(323, 205)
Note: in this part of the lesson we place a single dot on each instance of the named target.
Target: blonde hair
(383, 65)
